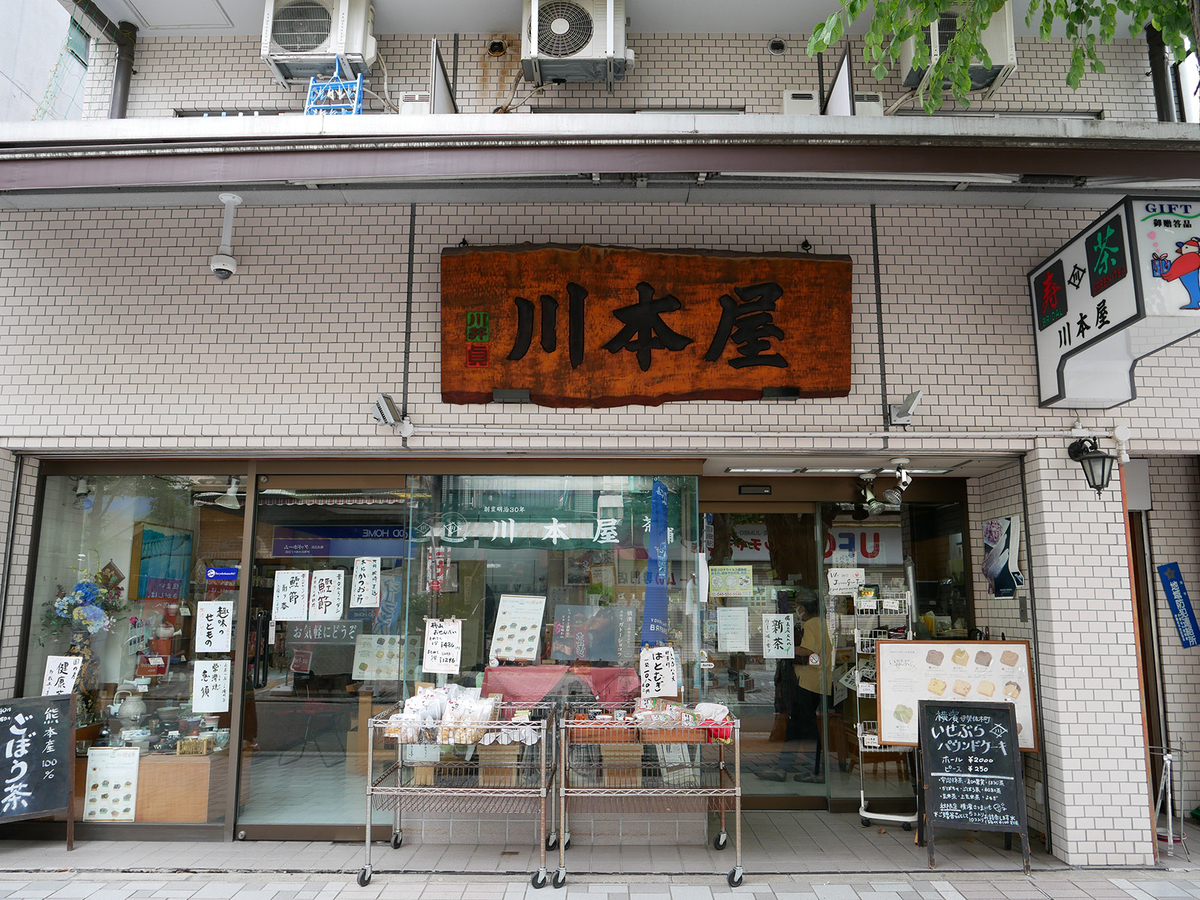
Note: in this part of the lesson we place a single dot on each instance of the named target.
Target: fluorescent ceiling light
(762, 470)
(836, 471)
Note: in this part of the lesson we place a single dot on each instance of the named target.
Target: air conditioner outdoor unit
(997, 38)
(868, 103)
(573, 41)
(802, 102)
(304, 38)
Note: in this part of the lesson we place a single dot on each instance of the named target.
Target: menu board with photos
(952, 671)
(518, 627)
(110, 792)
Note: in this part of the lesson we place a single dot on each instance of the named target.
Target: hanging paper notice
(112, 782)
(659, 674)
(731, 581)
(845, 582)
(325, 599)
(779, 636)
(210, 686)
(290, 603)
(443, 646)
(364, 585)
(733, 629)
(214, 626)
(60, 675)
(518, 627)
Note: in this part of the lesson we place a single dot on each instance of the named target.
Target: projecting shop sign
(586, 326)
(1126, 286)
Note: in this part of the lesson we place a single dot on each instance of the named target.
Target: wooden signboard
(971, 772)
(952, 671)
(587, 326)
(37, 760)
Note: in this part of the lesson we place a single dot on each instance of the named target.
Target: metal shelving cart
(598, 760)
(506, 766)
(877, 618)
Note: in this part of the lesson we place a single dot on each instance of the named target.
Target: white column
(1091, 703)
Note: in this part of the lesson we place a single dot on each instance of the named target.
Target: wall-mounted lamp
(1097, 465)
(229, 499)
(902, 413)
(893, 495)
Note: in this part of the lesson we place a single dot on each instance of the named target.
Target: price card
(443, 646)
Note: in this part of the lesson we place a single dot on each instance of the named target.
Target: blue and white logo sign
(1181, 606)
(214, 574)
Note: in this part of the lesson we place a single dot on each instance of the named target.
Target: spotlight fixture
(902, 413)
(1097, 465)
(83, 494)
(893, 495)
(869, 503)
(229, 499)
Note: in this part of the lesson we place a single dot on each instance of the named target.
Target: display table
(181, 789)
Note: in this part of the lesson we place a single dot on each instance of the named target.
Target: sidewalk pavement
(314, 870)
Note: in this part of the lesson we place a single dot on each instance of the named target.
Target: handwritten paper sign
(731, 581)
(210, 686)
(779, 636)
(60, 675)
(326, 598)
(518, 627)
(845, 582)
(214, 626)
(733, 629)
(364, 584)
(112, 783)
(443, 646)
(659, 673)
(290, 602)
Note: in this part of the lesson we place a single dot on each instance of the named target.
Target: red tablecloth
(529, 684)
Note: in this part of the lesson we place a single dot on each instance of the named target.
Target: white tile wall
(13, 612)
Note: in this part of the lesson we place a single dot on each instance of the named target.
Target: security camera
(222, 265)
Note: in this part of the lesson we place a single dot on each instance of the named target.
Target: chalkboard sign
(37, 759)
(971, 769)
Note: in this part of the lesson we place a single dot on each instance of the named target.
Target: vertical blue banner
(1181, 606)
(654, 613)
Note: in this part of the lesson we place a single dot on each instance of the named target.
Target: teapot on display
(128, 705)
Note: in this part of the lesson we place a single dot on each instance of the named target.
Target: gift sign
(659, 672)
(290, 602)
(443, 646)
(214, 626)
(364, 585)
(326, 596)
(60, 675)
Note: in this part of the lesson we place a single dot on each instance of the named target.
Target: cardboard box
(622, 765)
(498, 764)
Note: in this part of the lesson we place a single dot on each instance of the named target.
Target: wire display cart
(876, 618)
(501, 766)
(620, 765)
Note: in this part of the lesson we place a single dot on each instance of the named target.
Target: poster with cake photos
(110, 791)
(967, 671)
(518, 628)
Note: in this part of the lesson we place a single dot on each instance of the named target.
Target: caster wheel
(720, 841)
(551, 841)
(539, 879)
(559, 879)
(567, 843)
(908, 826)
(364, 877)
(734, 878)
(866, 823)
(397, 840)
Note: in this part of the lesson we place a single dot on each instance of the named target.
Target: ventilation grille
(564, 28)
(301, 26)
(947, 29)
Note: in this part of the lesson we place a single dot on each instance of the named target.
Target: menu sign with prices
(290, 602)
(779, 636)
(954, 672)
(443, 646)
(364, 583)
(60, 675)
(518, 627)
(326, 597)
(214, 626)
(37, 768)
(972, 770)
(210, 686)
(659, 672)
(110, 794)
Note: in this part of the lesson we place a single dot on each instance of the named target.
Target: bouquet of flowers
(92, 605)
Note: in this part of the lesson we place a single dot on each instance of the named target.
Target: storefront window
(556, 580)
(136, 583)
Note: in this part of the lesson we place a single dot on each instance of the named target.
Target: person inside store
(814, 656)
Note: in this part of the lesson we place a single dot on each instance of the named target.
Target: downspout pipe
(125, 38)
(1160, 75)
